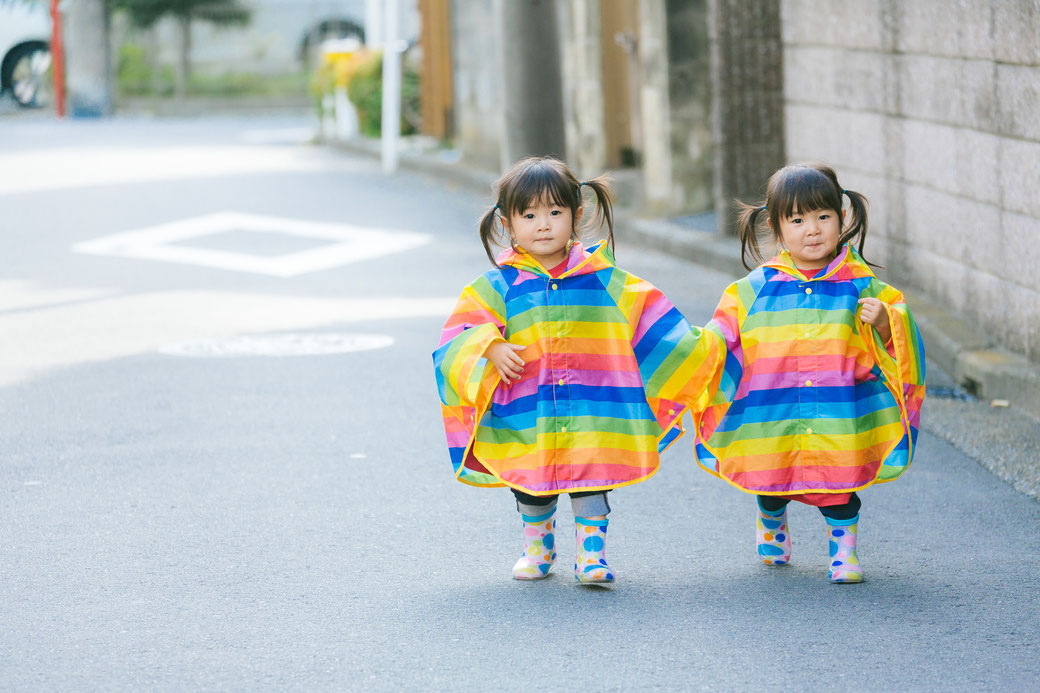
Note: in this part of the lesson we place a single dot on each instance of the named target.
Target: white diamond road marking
(347, 244)
(300, 344)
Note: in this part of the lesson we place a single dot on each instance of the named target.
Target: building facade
(932, 110)
(929, 108)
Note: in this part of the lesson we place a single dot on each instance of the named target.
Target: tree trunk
(184, 64)
(88, 79)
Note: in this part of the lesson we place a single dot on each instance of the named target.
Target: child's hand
(509, 364)
(875, 313)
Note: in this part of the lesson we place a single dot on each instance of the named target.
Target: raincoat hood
(847, 264)
(579, 260)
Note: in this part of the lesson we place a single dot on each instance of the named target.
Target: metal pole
(374, 24)
(391, 126)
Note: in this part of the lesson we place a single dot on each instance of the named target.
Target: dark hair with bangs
(534, 179)
(805, 188)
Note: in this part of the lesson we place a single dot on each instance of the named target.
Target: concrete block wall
(689, 93)
(655, 107)
(581, 75)
(476, 66)
(931, 108)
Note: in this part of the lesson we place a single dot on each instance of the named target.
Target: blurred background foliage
(136, 75)
(365, 89)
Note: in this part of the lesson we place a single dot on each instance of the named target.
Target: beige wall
(582, 79)
(932, 110)
(690, 99)
(476, 68)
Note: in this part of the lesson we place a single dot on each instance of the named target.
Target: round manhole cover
(278, 345)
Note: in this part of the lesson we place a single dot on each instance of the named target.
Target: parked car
(25, 54)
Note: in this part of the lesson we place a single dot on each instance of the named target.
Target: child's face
(811, 237)
(542, 231)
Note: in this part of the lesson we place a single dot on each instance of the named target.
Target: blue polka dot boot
(590, 565)
(539, 547)
(774, 540)
(844, 566)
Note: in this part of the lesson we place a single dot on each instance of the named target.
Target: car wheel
(28, 75)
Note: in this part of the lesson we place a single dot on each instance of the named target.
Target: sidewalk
(970, 379)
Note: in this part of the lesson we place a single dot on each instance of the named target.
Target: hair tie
(763, 208)
(581, 183)
(844, 191)
(495, 208)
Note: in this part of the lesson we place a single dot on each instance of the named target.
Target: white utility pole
(374, 24)
(391, 126)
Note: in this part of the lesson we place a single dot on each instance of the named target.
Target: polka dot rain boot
(590, 565)
(844, 566)
(774, 541)
(539, 547)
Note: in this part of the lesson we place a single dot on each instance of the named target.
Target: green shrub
(133, 71)
(247, 84)
(365, 90)
(135, 75)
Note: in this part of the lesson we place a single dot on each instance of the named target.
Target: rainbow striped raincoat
(809, 400)
(603, 389)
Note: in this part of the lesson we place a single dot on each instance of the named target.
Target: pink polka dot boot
(844, 566)
(774, 541)
(590, 565)
(539, 547)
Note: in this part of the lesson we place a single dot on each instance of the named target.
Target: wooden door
(435, 81)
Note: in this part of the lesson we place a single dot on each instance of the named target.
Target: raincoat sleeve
(727, 363)
(464, 377)
(902, 359)
(676, 361)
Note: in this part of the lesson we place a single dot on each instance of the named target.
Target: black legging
(846, 511)
(548, 500)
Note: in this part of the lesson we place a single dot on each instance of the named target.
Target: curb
(967, 355)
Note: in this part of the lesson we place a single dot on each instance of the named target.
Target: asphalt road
(177, 517)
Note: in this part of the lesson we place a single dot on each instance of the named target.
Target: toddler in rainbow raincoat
(604, 381)
(822, 371)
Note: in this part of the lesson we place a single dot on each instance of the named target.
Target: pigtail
(488, 232)
(604, 205)
(747, 231)
(855, 231)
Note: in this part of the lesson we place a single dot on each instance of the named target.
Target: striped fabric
(605, 384)
(809, 400)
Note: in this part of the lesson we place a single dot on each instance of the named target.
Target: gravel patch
(1004, 440)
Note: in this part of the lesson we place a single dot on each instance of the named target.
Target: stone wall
(655, 106)
(532, 93)
(476, 67)
(747, 100)
(689, 95)
(931, 109)
(582, 83)
(506, 70)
